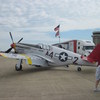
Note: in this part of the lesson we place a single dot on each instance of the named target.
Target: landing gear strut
(18, 66)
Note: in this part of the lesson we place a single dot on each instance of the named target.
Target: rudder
(95, 55)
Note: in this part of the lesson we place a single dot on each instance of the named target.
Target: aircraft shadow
(28, 71)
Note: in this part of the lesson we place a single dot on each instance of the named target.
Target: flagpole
(59, 36)
(59, 39)
(59, 33)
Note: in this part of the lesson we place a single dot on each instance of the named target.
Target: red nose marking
(13, 45)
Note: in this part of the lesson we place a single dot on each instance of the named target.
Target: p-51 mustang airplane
(45, 55)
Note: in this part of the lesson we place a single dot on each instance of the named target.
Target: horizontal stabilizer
(88, 59)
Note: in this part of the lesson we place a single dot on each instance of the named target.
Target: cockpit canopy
(44, 46)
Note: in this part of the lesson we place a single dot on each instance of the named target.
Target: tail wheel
(78, 69)
(18, 68)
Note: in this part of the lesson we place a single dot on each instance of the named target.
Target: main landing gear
(18, 66)
(67, 66)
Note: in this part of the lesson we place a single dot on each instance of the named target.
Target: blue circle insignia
(63, 56)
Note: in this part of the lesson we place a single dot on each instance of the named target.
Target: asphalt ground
(56, 83)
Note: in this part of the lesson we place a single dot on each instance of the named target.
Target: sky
(35, 20)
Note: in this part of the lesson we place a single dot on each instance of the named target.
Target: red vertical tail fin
(95, 55)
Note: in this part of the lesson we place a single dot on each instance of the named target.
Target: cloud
(41, 16)
(34, 13)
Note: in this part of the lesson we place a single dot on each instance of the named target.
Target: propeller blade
(20, 40)
(11, 37)
(8, 50)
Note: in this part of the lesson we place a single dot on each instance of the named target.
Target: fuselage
(54, 55)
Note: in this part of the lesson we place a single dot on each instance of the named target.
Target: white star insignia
(63, 56)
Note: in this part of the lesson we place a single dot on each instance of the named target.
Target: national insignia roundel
(63, 56)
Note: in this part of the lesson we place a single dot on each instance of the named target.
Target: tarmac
(56, 83)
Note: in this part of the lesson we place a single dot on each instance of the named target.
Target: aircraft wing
(11, 55)
(34, 60)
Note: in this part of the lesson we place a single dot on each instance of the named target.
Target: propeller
(13, 44)
(11, 37)
(8, 50)
(20, 40)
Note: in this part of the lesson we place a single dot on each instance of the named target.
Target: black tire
(37, 66)
(67, 65)
(79, 69)
(18, 69)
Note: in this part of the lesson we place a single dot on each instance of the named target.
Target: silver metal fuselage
(54, 56)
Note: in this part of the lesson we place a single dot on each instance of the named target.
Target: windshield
(88, 47)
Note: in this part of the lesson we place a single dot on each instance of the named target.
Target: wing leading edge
(17, 56)
(34, 60)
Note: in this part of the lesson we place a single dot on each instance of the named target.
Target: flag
(57, 28)
(57, 33)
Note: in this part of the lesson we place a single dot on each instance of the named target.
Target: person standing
(97, 75)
